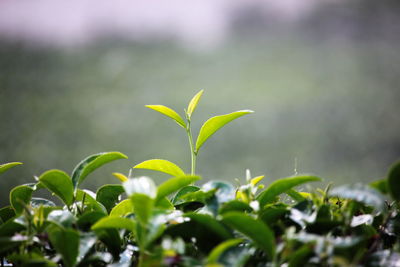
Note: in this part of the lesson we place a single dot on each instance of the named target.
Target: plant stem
(192, 149)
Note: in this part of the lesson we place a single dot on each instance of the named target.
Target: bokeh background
(321, 75)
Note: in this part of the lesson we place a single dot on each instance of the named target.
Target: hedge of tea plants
(184, 222)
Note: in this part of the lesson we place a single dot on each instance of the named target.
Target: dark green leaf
(66, 242)
(213, 124)
(393, 180)
(6, 213)
(20, 196)
(11, 227)
(59, 183)
(256, 230)
(300, 257)
(281, 186)
(91, 163)
(380, 185)
(184, 190)
(6, 166)
(235, 205)
(108, 195)
(143, 206)
(214, 227)
(37, 202)
(62, 218)
(86, 242)
(86, 220)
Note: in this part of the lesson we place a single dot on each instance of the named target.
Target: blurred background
(321, 75)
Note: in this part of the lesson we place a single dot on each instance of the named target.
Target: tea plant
(177, 223)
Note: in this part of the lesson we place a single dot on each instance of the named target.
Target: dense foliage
(177, 223)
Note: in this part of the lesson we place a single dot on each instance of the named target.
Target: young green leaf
(216, 253)
(91, 163)
(108, 195)
(143, 206)
(120, 176)
(193, 104)
(115, 222)
(122, 208)
(161, 165)
(394, 181)
(174, 184)
(215, 123)
(169, 113)
(20, 196)
(256, 230)
(6, 166)
(59, 183)
(281, 186)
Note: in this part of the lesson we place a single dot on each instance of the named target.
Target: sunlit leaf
(215, 123)
(169, 113)
(120, 176)
(256, 180)
(143, 206)
(59, 183)
(91, 163)
(394, 181)
(161, 165)
(193, 104)
(281, 186)
(122, 208)
(115, 222)
(108, 195)
(174, 184)
(4, 167)
(380, 185)
(256, 230)
(88, 198)
(20, 196)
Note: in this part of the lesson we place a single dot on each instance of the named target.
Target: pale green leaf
(281, 186)
(59, 183)
(174, 184)
(115, 222)
(122, 208)
(193, 103)
(6, 166)
(215, 123)
(169, 113)
(91, 163)
(161, 165)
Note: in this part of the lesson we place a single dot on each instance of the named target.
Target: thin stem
(192, 149)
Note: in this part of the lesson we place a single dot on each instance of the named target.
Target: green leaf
(234, 205)
(215, 123)
(122, 208)
(20, 196)
(86, 242)
(193, 104)
(300, 256)
(380, 185)
(59, 183)
(216, 253)
(214, 226)
(161, 165)
(174, 184)
(66, 243)
(108, 195)
(116, 223)
(6, 213)
(86, 220)
(256, 230)
(282, 185)
(143, 206)
(361, 193)
(394, 181)
(36, 202)
(183, 191)
(6, 166)
(91, 163)
(89, 200)
(295, 195)
(10, 227)
(169, 113)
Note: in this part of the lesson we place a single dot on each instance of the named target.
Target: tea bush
(177, 223)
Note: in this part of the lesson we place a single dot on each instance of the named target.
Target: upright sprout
(211, 126)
